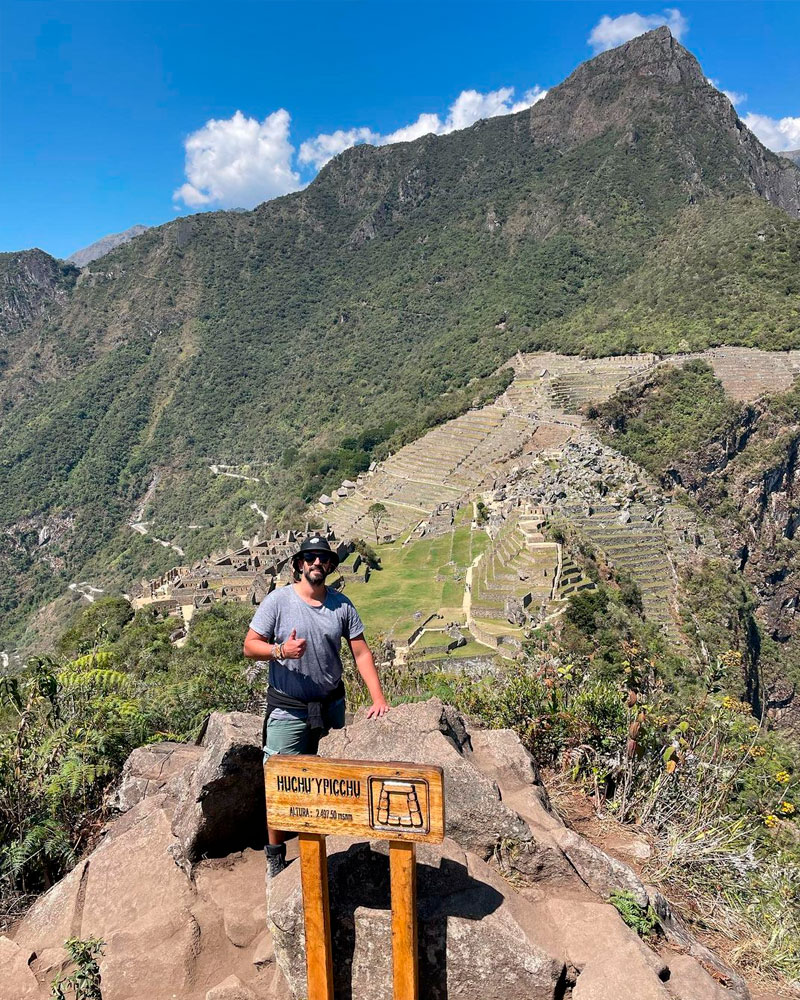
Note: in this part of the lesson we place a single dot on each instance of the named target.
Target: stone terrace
(747, 373)
(455, 459)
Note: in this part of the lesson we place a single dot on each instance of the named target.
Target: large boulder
(429, 733)
(220, 796)
(471, 942)
(171, 929)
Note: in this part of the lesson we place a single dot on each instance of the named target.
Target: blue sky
(98, 100)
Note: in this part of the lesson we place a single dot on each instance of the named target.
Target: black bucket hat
(316, 543)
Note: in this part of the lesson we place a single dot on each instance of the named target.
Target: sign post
(394, 801)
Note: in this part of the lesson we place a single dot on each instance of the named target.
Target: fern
(94, 678)
(47, 839)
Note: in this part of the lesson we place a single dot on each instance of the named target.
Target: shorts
(293, 736)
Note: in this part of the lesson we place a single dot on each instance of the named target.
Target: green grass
(472, 648)
(430, 639)
(408, 582)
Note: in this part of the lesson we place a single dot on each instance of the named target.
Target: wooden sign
(376, 799)
(399, 802)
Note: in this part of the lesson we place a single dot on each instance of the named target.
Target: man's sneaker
(276, 859)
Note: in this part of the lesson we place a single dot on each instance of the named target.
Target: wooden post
(314, 876)
(392, 800)
(403, 870)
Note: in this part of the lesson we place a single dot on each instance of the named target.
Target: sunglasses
(311, 557)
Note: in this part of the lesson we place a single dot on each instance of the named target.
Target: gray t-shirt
(319, 670)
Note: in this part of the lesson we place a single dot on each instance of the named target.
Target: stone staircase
(520, 565)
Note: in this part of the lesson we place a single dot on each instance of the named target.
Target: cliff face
(748, 479)
(31, 283)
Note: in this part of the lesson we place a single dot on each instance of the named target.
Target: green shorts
(293, 735)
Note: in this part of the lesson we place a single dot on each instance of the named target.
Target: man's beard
(319, 575)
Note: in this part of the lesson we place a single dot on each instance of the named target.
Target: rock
(689, 981)
(514, 611)
(429, 733)
(218, 809)
(618, 973)
(678, 935)
(18, 982)
(471, 942)
(49, 964)
(131, 894)
(598, 870)
(583, 932)
(149, 768)
(231, 988)
(629, 845)
(263, 950)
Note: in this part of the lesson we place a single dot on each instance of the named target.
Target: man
(299, 630)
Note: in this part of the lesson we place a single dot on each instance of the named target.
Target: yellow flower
(770, 820)
(787, 808)
(783, 777)
(753, 727)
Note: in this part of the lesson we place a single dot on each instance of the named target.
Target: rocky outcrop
(510, 881)
(171, 928)
(511, 905)
(618, 90)
(471, 939)
(31, 283)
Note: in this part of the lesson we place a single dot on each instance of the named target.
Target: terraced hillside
(467, 453)
(535, 437)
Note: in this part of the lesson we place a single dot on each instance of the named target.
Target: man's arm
(366, 667)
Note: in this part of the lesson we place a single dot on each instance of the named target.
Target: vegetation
(84, 982)
(68, 724)
(681, 410)
(643, 919)
(377, 514)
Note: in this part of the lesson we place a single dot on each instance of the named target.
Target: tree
(378, 514)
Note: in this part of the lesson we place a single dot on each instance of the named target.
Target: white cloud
(612, 31)
(777, 134)
(321, 148)
(426, 124)
(238, 162)
(468, 107)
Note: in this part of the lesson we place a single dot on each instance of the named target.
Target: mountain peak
(105, 245)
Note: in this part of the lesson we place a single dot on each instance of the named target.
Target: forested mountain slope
(308, 335)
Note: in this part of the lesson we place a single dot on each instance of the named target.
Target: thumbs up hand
(293, 648)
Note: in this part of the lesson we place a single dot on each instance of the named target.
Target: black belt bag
(316, 710)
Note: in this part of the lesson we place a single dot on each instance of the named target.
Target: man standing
(299, 630)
